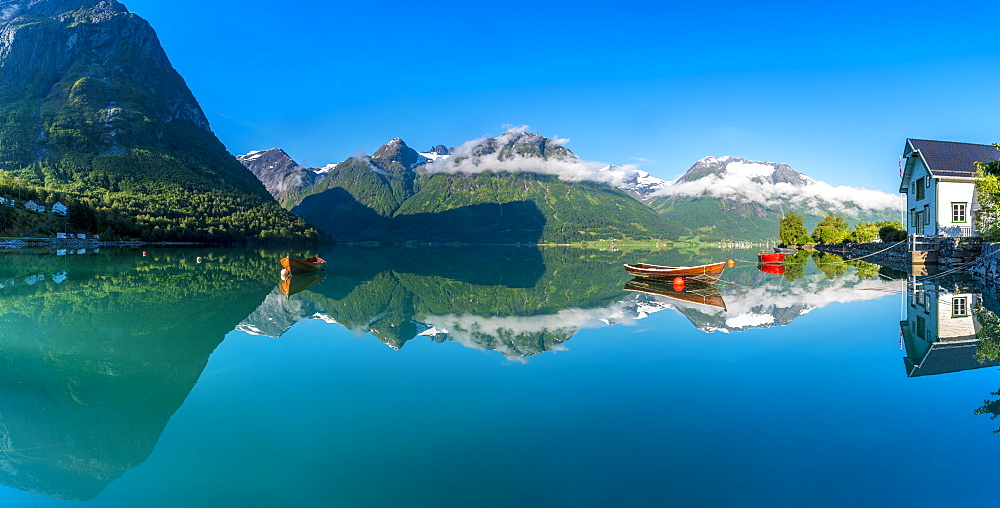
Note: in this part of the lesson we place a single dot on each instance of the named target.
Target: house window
(960, 306)
(920, 188)
(921, 326)
(927, 214)
(958, 212)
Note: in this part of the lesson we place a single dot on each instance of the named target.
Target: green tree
(864, 232)
(988, 188)
(795, 265)
(891, 231)
(832, 229)
(791, 231)
(991, 407)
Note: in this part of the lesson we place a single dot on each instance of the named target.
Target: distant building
(939, 183)
(60, 235)
(7, 202)
(34, 206)
(81, 236)
(60, 209)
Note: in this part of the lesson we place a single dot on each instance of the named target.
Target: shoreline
(59, 243)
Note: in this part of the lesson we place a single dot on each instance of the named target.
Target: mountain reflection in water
(428, 296)
(99, 350)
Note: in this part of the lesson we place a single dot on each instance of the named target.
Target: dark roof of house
(946, 357)
(948, 158)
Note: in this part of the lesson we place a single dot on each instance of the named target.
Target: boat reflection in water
(948, 328)
(696, 293)
(297, 283)
(772, 268)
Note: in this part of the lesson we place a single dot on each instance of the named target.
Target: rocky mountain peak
(439, 150)
(515, 143)
(84, 52)
(12, 10)
(282, 177)
(396, 151)
(759, 171)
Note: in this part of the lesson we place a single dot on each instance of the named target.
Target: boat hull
(704, 273)
(297, 266)
(773, 257)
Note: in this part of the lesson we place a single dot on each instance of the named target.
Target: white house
(60, 209)
(7, 202)
(34, 206)
(939, 186)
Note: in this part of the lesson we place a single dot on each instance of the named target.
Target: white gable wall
(936, 208)
(949, 193)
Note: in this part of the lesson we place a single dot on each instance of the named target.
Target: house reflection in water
(941, 329)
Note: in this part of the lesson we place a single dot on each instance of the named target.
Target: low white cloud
(360, 156)
(819, 196)
(10, 12)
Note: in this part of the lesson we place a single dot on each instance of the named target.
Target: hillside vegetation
(107, 124)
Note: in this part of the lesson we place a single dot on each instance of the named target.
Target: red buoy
(679, 284)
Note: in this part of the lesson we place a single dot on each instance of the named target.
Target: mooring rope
(873, 253)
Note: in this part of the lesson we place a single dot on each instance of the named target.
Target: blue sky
(832, 89)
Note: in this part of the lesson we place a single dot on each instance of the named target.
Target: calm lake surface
(488, 376)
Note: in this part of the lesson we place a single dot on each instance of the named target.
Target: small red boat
(772, 257)
(704, 273)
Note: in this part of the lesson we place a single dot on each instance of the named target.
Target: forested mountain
(509, 189)
(92, 110)
(524, 188)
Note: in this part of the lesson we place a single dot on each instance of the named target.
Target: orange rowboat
(704, 273)
(306, 265)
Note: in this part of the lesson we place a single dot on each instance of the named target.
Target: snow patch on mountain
(750, 320)
(750, 169)
(634, 181)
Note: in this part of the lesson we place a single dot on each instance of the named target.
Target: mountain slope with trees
(92, 110)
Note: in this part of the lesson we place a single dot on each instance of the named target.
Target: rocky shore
(893, 255)
(962, 255)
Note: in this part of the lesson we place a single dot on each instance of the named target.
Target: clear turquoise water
(157, 380)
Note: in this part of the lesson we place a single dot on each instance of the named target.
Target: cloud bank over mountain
(818, 195)
(766, 183)
(518, 151)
